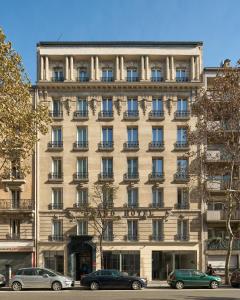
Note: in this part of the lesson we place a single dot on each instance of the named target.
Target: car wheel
(56, 286)
(136, 285)
(179, 285)
(16, 286)
(94, 286)
(213, 284)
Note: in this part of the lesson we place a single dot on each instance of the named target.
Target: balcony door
(157, 166)
(132, 105)
(132, 166)
(182, 105)
(157, 105)
(107, 105)
(107, 166)
(107, 134)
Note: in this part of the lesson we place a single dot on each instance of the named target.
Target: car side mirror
(45, 276)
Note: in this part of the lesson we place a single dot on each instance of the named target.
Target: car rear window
(19, 272)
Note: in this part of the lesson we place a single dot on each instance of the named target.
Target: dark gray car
(40, 278)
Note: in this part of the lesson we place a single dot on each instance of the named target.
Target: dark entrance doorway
(83, 263)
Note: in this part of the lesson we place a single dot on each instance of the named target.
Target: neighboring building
(17, 220)
(215, 233)
(119, 111)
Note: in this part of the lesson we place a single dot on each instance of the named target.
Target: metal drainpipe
(35, 190)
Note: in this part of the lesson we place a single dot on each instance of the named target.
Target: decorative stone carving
(168, 104)
(93, 105)
(118, 105)
(143, 105)
(67, 105)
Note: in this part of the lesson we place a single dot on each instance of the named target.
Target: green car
(192, 278)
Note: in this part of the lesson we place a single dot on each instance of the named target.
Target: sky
(215, 22)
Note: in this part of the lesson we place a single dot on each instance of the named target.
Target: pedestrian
(210, 270)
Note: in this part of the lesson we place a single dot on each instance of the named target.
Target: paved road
(148, 294)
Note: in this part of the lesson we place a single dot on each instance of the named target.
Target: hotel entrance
(163, 262)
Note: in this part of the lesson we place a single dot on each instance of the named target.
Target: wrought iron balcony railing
(56, 238)
(106, 146)
(56, 114)
(156, 79)
(107, 78)
(82, 79)
(156, 146)
(57, 78)
(182, 114)
(53, 145)
(80, 115)
(182, 79)
(80, 176)
(131, 145)
(156, 176)
(81, 146)
(131, 176)
(156, 115)
(131, 115)
(182, 237)
(20, 204)
(55, 206)
(55, 176)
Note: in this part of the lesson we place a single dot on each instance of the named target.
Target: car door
(29, 278)
(199, 278)
(105, 279)
(43, 280)
(118, 281)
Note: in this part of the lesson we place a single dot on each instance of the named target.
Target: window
(82, 75)
(156, 74)
(182, 198)
(108, 230)
(182, 166)
(157, 166)
(82, 135)
(57, 198)
(132, 105)
(132, 197)
(107, 197)
(157, 105)
(82, 197)
(15, 228)
(132, 230)
(132, 133)
(82, 227)
(82, 166)
(58, 74)
(15, 199)
(54, 260)
(107, 75)
(216, 233)
(157, 230)
(182, 105)
(157, 134)
(82, 105)
(107, 134)
(57, 230)
(181, 136)
(107, 166)
(107, 105)
(28, 272)
(182, 227)
(56, 137)
(56, 107)
(132, 166)
(132, 74)
(215, 206)
(56, 168)
(157, 197)
(181, 75)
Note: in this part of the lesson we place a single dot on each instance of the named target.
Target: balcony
(80, 177)
(157, 205)
(131, 146)
(56, 114)
(156, 237)
(80, 115)
(132, 205)
(81, 205)
(156, 79)
(156, 177)
(131, 115)
(13, 236)
(57, 79)
(107, 79)
(181, 146)
(56, 238)
(106, 146)
(157, 115)
(53, 206)
(80, 146)
(131, 177)
(221, 215)
(156, 146)
(14, 177)
(182, 205)
(182, 115)
(219, 155)
(55, 177)
(182, 79)
(106, 115)
(55, 146)
(181, 237)
(217, 184)
(132, 79)
(131, 237)
(106, 176)
(181, 177)
(82, 79)
(21, 204)
(107, 204)
(221, 244)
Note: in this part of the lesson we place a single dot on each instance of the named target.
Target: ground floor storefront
(217, 260)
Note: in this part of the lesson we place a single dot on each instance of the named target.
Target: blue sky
(215, 22)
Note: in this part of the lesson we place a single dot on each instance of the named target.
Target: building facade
(120, 112)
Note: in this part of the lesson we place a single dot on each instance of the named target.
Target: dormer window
(107, 75)
(82, 75)
(58, 74)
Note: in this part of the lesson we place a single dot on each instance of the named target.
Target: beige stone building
(119, 111)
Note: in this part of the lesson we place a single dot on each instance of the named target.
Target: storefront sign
(138, 213)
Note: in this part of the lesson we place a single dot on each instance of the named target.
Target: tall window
(132, 105)
(57, 199)
(157, 166)
(57, 137)
(107, 75)
(107, 167)
(182, 198)
(157, 230)
(15, 199)
(132, 166)
(82, 135)
(82, 167)
(56, 107)
(181, 75)
(182, 229)
(58, 74)
(57, 167)
(157, 197)
(132, 74)
(108, 230)
(15, 228)
(82, 197)
(107, 198)
(132, 230)
(132, 197)
(182, 166)
(57, 230)
(82, 105)
(107, 134)
(82, 227)
(182, 140)
(82, 74)
(156, 74)
(132, 134)
(157, 134)
(182, 105)
(107, 105)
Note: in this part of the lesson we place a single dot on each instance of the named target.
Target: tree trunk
(101, 252)
(228, 257)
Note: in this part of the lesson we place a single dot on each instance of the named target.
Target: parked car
(110, 279)
(192, 278)
(2, 280)
(235, 278)
(40, 278)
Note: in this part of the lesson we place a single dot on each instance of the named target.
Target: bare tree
(216, 138)
(100, 214)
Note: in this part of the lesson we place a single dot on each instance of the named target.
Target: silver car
(40, 278)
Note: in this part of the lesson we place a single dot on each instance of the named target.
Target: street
(150, 293)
